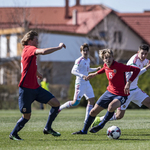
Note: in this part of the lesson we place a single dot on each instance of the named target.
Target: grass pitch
(135, 129)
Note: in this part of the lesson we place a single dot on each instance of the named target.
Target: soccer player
(83, 87)
(29, 89)
(137, 96)
(117, 90)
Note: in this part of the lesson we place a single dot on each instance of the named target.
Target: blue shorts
(108, 97)
(28, 96)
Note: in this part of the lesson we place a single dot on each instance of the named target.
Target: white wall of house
(112, 23)
(13, 45)
(3, 46)
(69, 54)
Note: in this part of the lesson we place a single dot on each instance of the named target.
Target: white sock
(113, 117)
(65, 105)
(88, 109)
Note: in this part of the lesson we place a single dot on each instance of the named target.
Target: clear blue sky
(118, 5)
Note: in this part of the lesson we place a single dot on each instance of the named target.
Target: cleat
(51, 131)
(96, 122)
(15, 137)
(96, 128)
(79, 132)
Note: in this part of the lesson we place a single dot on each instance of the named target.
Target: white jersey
(82, 68)
(135, 61)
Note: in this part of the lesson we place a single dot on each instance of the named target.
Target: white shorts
(83, 89)
(136, 96)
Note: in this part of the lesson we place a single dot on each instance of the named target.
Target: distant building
(97, 25)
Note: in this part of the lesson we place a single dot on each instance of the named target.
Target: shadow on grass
(99, 137)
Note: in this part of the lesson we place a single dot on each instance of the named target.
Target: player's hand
(84, 78)
(62, 45)
(39, 75)
(127, 87)
(148, 66)
(98, 68)
(91, 75)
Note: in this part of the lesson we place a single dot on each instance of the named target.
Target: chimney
(67, 9)
(74, 17)
(77, 2)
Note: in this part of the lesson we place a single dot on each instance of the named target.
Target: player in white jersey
(137, 96)
(83, 87)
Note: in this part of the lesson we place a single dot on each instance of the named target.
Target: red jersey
(28, 70)
(117, 78)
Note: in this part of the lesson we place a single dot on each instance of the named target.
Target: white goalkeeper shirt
(135, 61)
(82, 68)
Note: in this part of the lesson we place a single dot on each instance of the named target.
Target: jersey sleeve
(126, 68)
(135, 72)
(143, 70)
(101, 71)
(75, 70)
(92, 69)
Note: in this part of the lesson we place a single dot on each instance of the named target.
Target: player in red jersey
(29, 89)
(117, 90)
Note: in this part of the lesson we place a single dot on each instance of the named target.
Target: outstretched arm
(46, 51)
(144, 69)
(94, 69)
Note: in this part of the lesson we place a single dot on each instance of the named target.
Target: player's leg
(52, 115)
(101, 104)
(68, 104)
(89, 107)
(141, 98)
(89, 95)
(25, 100)
(78, 94)
(120, 111)
(46, 97)
(146, 102)
(118, 115)
(113, 105)
(96, 109)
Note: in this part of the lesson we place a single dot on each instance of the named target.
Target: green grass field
(135, 128)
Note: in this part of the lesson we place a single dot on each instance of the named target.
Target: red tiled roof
(88, 20)
(50, 18)
(139, 22)
(53, 19)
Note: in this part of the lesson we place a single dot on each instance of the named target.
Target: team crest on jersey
(24, 109)
(124, 106)
(115, 71)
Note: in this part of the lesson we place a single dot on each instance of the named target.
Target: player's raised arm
(46, 51)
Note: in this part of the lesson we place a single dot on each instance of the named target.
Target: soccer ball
(113, 132)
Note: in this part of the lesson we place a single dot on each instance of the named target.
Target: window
(117, 37)
(103, 34)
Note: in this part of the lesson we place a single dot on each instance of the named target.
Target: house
(97, 25)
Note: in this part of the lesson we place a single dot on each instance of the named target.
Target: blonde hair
(85, 45)
(105, 52)
(28, 36)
